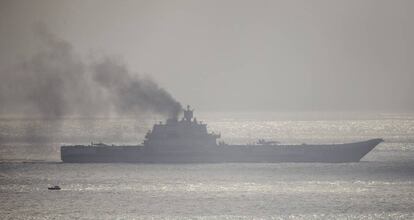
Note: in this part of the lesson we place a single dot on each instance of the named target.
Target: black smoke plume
(55, 82)
(132, 92)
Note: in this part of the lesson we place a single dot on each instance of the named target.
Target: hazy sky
(329, 55)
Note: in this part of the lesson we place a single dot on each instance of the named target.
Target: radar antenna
(188, 114)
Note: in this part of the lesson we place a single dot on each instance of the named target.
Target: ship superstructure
(184, 134)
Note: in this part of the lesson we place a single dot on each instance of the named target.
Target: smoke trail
(55, 82)
(36, 85)
(132, 92)
(52, 83)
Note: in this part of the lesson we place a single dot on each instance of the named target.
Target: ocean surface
(381, 186)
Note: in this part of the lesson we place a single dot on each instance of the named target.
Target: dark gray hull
(333, 153)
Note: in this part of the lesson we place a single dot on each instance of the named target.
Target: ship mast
(188, 114)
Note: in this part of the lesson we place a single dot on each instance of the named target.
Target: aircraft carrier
(188, 141)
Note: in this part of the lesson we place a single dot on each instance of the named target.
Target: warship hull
(328, 153)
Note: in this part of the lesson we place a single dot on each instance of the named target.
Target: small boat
(54, 188)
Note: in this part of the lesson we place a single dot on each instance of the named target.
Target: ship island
(188, 141)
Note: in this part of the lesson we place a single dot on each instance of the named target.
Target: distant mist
(223, 56)
(56, 82)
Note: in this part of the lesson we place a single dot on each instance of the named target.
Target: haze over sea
(381, 186)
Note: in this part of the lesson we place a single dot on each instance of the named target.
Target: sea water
(381, 186)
